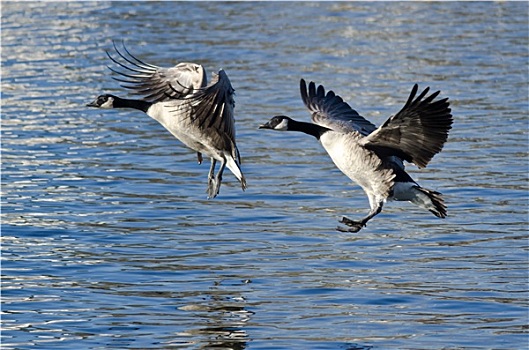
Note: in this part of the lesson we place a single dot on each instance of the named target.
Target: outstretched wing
(156, 83)
(215, 104)
(211, 109)
(417, 132)
(329, 110)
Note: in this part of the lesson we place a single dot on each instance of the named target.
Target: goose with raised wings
(373, 157)
(198, 114)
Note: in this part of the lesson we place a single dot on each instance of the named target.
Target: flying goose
(198, 114)
(373, 157)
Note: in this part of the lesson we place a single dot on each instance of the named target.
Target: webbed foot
(213, 187)
(212, 192)
(354, 226)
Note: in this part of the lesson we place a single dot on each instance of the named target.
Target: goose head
(279, 122)
(103, 101)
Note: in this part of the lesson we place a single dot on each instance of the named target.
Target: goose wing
(211, 109)
(329, 110)
(156, 83)
(417, 132)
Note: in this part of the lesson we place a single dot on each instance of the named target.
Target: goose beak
(92, 104)
(265, 126)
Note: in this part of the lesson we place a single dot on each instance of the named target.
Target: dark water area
(109, 242)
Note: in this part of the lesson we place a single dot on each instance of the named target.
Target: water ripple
(108, 240)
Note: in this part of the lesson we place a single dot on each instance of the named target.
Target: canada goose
(373, 157)
(179, 98)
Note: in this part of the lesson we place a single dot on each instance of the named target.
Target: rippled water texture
(108, 240)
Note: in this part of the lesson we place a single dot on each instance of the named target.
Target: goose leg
(199, 156)
(211, 179)
(218, 178)
(355, 226)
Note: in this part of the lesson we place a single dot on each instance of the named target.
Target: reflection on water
(108, 240)
(222, 321)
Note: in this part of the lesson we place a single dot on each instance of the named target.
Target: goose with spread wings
(198, 114)
(373, 157)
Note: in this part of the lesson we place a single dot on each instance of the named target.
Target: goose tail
(430, 200)
(234, 167)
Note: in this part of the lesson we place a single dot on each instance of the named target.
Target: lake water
(109, 242)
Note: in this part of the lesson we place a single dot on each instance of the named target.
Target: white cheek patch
(108, 104)
(282, 126)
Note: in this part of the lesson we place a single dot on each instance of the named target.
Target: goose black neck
(308, 128)
(128, 103)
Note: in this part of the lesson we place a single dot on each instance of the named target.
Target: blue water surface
(109, 242)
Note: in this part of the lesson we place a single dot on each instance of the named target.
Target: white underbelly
(345, 156)
(359, 164)
(182, 130)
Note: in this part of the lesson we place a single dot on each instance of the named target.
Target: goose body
(373, 157)
(198, 114)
